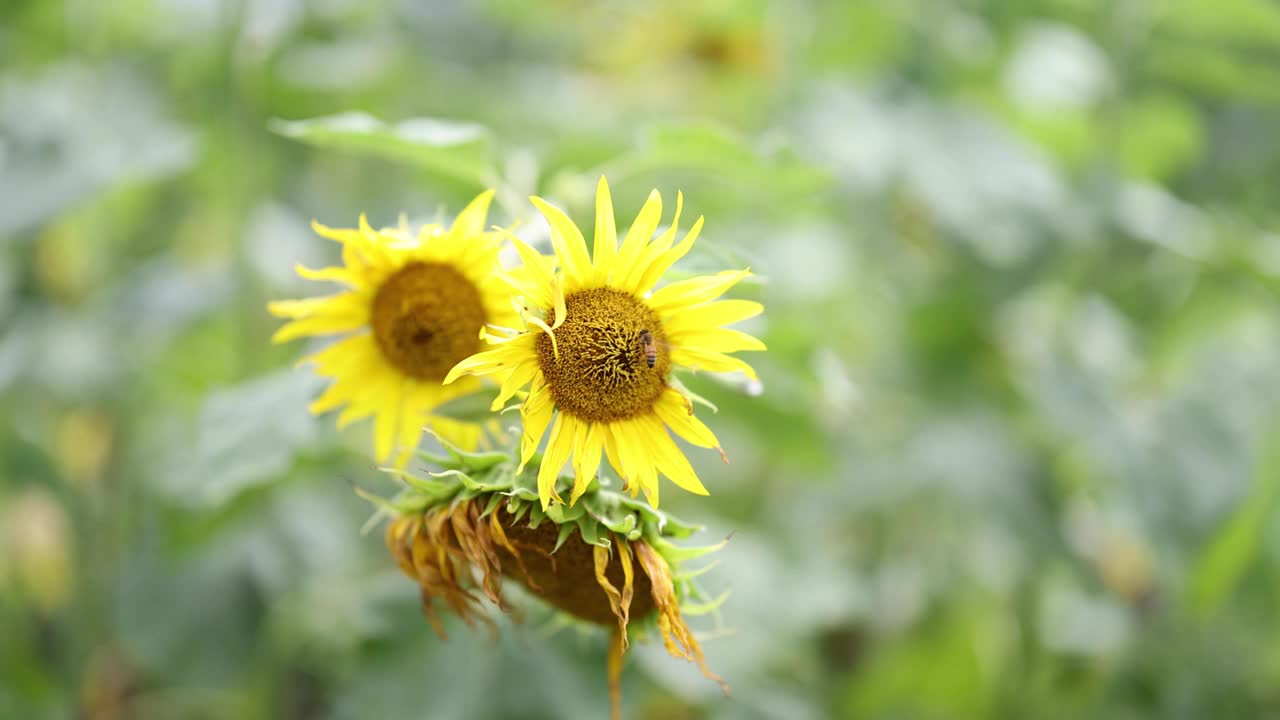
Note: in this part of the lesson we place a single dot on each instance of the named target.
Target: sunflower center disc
(427, 318)
(603, 372)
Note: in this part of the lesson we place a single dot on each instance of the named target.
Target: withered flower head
(608, 560)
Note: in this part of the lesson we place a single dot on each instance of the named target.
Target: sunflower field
(699, 360)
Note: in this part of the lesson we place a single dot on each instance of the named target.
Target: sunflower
(607, 562)
(414, 307)
(599, 346)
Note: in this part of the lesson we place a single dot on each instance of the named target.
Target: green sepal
(518, 511)
(693, 574)
(459, 459)
(704, 608)
(565, 532)
(591, 535)
(561, 514)
(432, 491)
(676, 554)
(536, 516)
(492, 505)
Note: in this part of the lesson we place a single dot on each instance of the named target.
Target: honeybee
(649, 347)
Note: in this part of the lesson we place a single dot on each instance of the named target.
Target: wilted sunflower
(599, 359)
(608, 560)
(415, 307)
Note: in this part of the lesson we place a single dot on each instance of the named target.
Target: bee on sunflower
(599, 346)
(413, 308)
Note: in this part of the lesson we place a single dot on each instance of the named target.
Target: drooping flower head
(600, 344)
(608, 561)
(414, 306)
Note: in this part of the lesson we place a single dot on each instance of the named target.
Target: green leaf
(1256, 21)
(1228, 556)
(1159, 136)
(462, 151)
(935, 671)
(248, 436)
(699, 146)
(1213, 72)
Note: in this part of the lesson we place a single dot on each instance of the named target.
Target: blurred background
(1017, 453)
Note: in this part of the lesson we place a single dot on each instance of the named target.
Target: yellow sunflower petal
(341, 275)
(663, 262)
(418, 399)
(465, 435)
(342, 235)
(332, 398)
(536, 415)
(559, 445)
(378, 393)
(483, 363)
(712, 361)
(663, 243)
(569, 245)
(678, 415)
(555, 344)
(349, 354)
(652, 491)
(512, 383)
(725, 340)
(386, 423)
(634, 279)
(612, 454)
(350, 414)
(693, 291)
(605, 246)
(357, 378)
(319, 325)
(712, 315)
(637, 237)
(586, 458)
(306, 307)
(558, 301)
(535, 277)
(630, 437)
(670, 460)
(471, 221)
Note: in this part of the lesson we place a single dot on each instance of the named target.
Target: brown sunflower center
(606, 342)
(426, 318)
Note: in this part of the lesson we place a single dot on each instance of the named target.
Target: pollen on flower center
(427, 317)
(602, 373)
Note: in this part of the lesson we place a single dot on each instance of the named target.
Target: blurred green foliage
(1016, 451)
